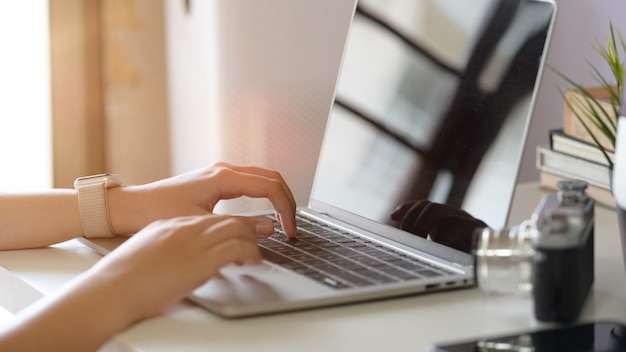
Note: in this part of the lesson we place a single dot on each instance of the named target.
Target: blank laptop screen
(433, 102)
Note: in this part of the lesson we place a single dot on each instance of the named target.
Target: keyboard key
(273, 256)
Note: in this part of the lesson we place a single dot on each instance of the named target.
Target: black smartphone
(605, 336)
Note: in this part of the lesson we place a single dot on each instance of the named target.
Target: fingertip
(293, 230)
(288, 223)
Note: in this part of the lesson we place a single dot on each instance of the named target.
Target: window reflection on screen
(432, 103)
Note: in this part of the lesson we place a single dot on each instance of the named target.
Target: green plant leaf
(591, 112)
(598, 116)
(593, 137)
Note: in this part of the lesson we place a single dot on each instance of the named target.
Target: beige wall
(252, 83)
(135, 90)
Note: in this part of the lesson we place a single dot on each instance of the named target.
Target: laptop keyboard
(340, 259)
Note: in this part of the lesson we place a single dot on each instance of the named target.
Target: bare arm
(169, 257)
(150, 271)
(40, 219)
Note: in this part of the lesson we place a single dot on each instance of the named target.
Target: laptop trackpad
(252, 285)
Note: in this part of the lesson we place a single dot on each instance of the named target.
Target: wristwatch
(93, 204)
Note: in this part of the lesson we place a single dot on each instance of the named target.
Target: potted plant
(605, 120)
(593, 113)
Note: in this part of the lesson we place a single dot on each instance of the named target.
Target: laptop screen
(433, 102)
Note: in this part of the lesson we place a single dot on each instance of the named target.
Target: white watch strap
(94, 211)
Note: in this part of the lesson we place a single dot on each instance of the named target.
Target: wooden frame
(109, 89)
(77, 113)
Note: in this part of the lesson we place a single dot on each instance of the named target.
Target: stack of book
(571, 155)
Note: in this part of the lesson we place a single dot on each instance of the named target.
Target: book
(573, 168)
(564, 143)
(575, 102)
(603, 196)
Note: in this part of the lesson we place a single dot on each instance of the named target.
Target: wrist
(107, 208)
(126, 209)
(131, 208)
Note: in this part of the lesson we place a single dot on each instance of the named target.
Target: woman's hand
(197, 193)
(154, 268)
(169, 258)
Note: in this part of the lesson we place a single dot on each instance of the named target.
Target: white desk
(404, 324)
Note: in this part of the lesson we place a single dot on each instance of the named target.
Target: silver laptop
(432, 103)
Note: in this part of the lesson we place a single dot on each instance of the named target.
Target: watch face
(109, 180)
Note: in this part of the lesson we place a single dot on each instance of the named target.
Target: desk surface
(410, 323)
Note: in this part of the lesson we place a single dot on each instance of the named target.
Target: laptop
(433, 102)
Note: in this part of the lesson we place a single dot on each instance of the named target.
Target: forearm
(38, 219)
(80, 317)
(44, 218)
(33, 220)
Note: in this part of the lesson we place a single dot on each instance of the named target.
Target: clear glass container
(503, 259)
